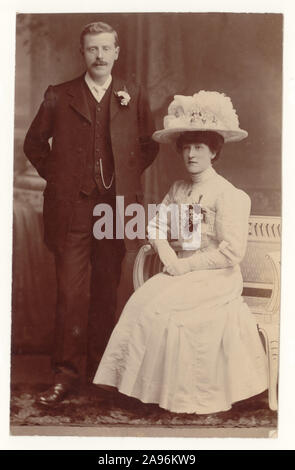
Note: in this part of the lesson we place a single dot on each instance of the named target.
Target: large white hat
(204, 111)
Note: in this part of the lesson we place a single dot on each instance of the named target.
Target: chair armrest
(274, 302)
(138, 268)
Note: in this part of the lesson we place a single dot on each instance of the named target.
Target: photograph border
(286, 400)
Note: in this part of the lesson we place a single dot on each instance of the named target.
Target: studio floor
(94, 412)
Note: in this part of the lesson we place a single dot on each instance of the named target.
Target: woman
(186, 340)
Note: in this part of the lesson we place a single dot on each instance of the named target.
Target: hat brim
(169, 136)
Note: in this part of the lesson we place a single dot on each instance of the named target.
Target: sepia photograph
(146, 254)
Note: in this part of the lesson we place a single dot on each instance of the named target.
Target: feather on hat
(204, 111)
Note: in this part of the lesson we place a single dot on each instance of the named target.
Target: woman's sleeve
(232, 215)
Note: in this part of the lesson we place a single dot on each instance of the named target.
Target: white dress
(190, 343)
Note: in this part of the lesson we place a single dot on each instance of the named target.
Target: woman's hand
(166, 254)
(178, 267)
(172, 265)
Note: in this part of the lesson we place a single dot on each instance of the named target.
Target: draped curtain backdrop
(175, 53)
(169, 53)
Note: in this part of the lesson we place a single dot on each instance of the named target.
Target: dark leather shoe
(53, 395)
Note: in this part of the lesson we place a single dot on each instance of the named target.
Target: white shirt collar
(92, 85)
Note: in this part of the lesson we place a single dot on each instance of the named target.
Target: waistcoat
(100, 155)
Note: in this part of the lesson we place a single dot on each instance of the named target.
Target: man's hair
(212, 139)
(97, 28)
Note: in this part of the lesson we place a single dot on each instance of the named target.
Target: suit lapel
(117, 85)
(79, 99)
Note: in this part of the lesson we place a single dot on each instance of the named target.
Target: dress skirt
(188, 343)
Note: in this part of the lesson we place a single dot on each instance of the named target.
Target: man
(101, 131)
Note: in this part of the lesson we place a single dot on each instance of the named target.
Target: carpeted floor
(92, 407)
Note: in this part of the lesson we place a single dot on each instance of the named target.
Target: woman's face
(197, 157)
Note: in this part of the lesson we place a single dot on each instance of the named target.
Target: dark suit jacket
(64, 116)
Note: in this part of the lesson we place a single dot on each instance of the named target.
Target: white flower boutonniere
(123, 97)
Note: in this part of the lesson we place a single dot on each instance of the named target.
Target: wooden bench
(261, 274)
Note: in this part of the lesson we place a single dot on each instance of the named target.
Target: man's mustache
(99, 63)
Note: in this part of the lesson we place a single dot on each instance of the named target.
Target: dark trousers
(88, 274)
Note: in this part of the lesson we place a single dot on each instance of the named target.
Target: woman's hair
(210, 138)
(97, 28)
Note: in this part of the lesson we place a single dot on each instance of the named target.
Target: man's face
(99, 52)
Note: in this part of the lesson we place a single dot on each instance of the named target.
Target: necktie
(99, 92)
